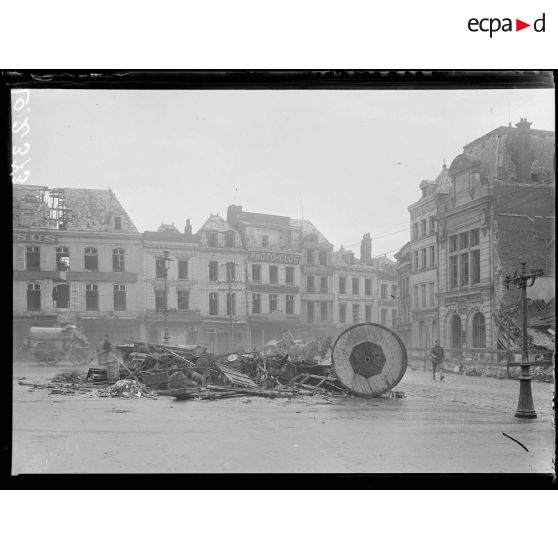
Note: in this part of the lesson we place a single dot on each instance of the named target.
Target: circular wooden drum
(369, 359)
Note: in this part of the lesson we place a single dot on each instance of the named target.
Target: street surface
(454, 426)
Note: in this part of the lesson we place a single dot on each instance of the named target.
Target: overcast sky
(351, 160)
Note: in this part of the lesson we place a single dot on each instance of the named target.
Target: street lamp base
(525, 414)
(525, 406)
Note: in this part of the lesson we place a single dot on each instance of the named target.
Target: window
(423, 295)
(183, 269)
(342, 313)
(212, 239)
(416, 302)
(383, 316)
(323, 285)
(432, 250)
(118, 259)
(394, 291)
(91, 259)
(229, 239)
(453, 243)
(61, 295)
(213, 304)
(415, 260)
(310, 256)
(368, 313)
(160, 268)
(160, 300)
(355, 285)
(265, 241)
(310, 283)
(231, 304)
(464, 268)
(368, 287)
(256, 272)
(463, 240)
(342, 285)
(415, 231)
(273, 274)
(119, 297)
(33, 297)
(272, 302)
(322, 258)
(256, 303)
(393, 317)
(231, 271)
(383, 292)
(289, 307)
(453, 272)
(423, 258)
(423, 227)
(213, 271)
(33, 262)
(432, 223)
(323, 311)
(117, 223)
(289, 275)
(310, 307)
(62, 258)
(431, 298)
(474, 237)
(479, 331)
(183, 299)
(92, 297)
(356, 313)
(475, 267)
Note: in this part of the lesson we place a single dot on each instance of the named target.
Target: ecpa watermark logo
(493, 25)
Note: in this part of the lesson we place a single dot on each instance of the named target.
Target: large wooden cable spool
(369, 359)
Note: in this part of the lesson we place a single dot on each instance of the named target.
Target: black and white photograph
(340, 279)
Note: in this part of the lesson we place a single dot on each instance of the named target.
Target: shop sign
(43, 238)
(274, 257)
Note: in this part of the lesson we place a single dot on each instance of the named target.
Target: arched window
(479, 331)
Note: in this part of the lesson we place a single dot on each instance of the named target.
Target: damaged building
(76, 259)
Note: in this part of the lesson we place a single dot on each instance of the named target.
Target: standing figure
(437, 356)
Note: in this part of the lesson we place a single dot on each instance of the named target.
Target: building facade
(77, 259)
(403, 324)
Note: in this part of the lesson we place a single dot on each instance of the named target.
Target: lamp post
(525, 407)
(165, 259)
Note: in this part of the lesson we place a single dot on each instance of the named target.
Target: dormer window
(212, 239)
(117, 223)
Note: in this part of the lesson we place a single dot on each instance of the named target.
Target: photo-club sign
(274, 257)
(43, 238)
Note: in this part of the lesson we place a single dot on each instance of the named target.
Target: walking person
(437, 356)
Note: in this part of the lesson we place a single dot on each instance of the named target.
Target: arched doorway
(456, 332)
(479, 331)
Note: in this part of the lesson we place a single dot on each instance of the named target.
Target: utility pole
(165, 259)
(525, 407)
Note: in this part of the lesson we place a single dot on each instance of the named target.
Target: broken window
(91, 259)
(289, 308)
(118, 259)
(61, 295)
(183, 299)
(62, 258)
(117, 223)
(342, 313)
(212, 239)
(213, 304)
(453, 272)
(289, 275)
(213, 271)
(355, 285)
(368, 313)
(273, 274)
(256, 303)
(33, 297)
(323, 285)
(272, 302)
(323, 311)
(119, 297)
(231, 304)
(91, 297)
(160, 300)
(342, 285)
(33, 261)
(256, 272)
(368, 287)
(183, 269)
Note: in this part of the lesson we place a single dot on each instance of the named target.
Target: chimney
(366, 248)
(188, 229)
(233, 214)
(523, 156)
